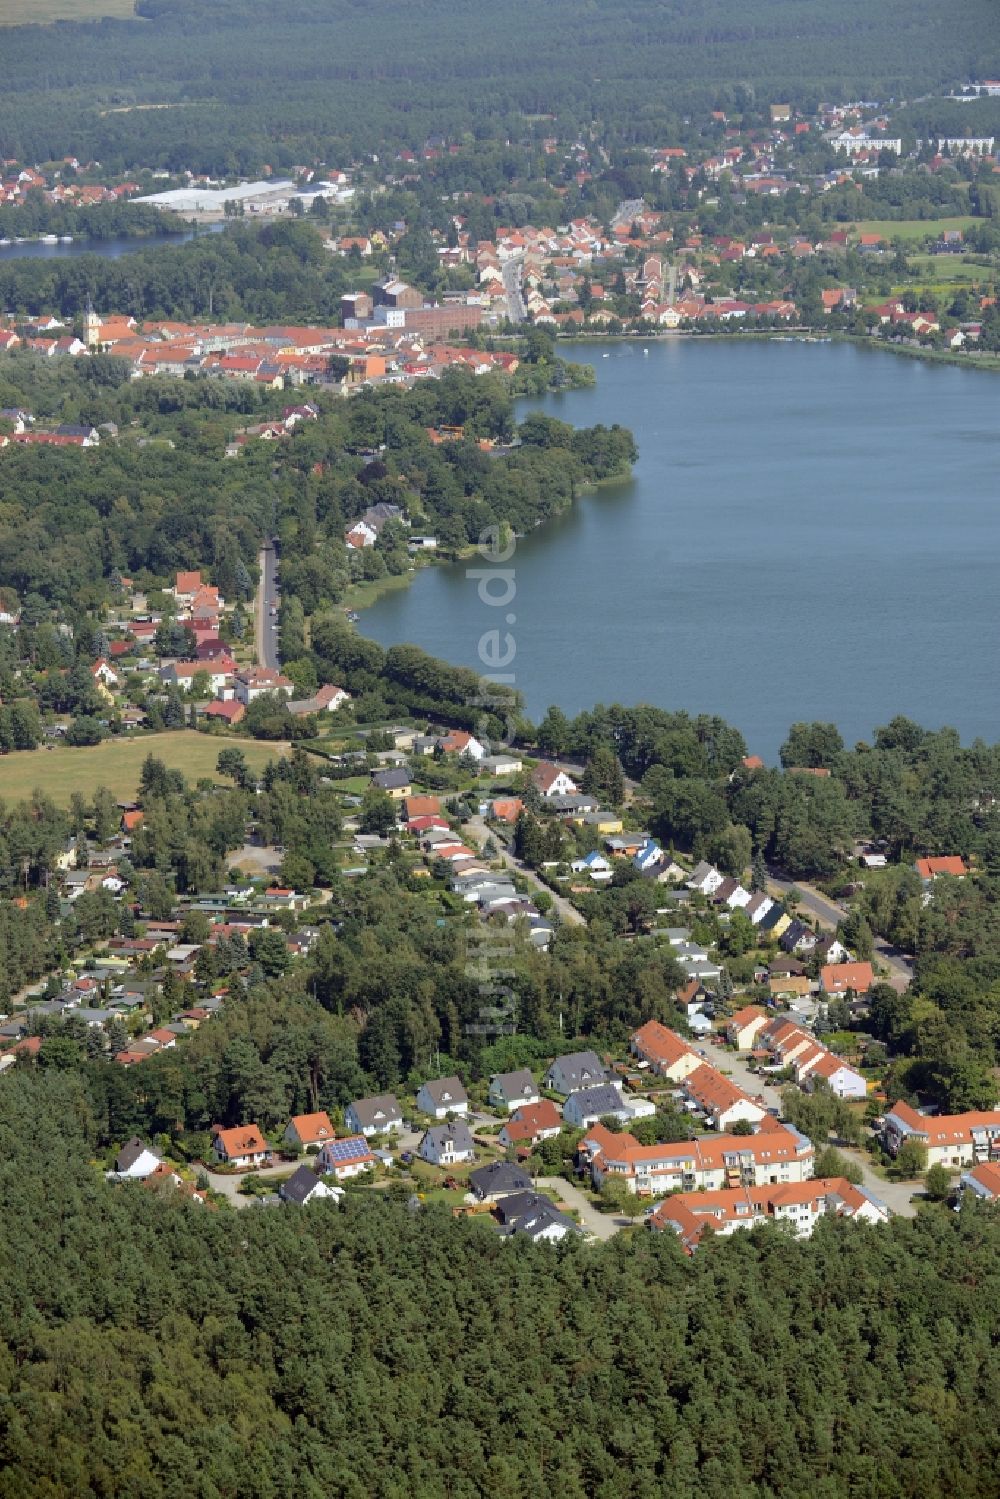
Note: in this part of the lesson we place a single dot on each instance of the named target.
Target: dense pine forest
(249, 84)
(157, 1349)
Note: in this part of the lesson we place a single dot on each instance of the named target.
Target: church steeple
(91, 326)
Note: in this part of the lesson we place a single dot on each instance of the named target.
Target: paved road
(601, 1225)
(478, 830)
(266, 638)
(516, 310)
(829, 914)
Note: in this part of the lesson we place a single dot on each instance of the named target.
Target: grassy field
(913, 229)
(950, 270)
(39, 12)
(117, 763)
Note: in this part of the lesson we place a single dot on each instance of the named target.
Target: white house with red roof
(666, 1053)
(242, 1147)
(949, 1139)
(949, 864)
(799, 1204)
(551, 781)
(744, 1026)
(459, 742)
(259, 680)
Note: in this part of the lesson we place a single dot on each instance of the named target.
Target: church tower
(91, 326)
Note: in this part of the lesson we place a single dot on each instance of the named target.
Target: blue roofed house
(594, 864)
(649, 855)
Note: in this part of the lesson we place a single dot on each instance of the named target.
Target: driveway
(750, 1082)
(602, 1225)
(477, 829)
(228, 1186)
(897, 1196)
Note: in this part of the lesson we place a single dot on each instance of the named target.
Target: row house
(800, 1204)
(719, 1099)
(949, 1139)
(666, 1053)
(775, 1155)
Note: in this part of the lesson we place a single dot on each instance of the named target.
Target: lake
(812, 531)
(109, 249)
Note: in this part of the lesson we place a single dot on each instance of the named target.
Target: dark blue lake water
(812, 531)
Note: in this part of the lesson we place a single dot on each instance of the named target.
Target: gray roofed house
(499, 1179)
(441, 1096)
(392, 781)
(535, 1216)
(584, 1107)
(136, 1160)
(508, 1090)
(580, 1069)
(447, 1144)
(305, 1186)
(94, 1018)
(575, 801)
(373, 1116)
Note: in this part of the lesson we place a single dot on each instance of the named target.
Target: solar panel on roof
(346, 1150)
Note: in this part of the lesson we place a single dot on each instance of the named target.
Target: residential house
(535, 1216)
(135, 1161)
(346, 1158)
(242, 1147)
(500, 765)
(259, 680)
(743, 1027)
(949, 1139)
(458, 742)
(509, 1090)
(447, 1144)
(373, 1116)
(304, 1186)
(395, 783)
(498, 1179)
(705, 878)
(774, 1154)
(983, 1181)
(843, 1080)
(625, 845)
(846, 978)
(931, 869)
(551, 781)
(442, 1096)
(327, 699)
(604, 1101)
(595, 865)
(801, 1204)
(421, 806)
(667, 1053)
(530, 1123)
(309, 1131)
(719, 1099)
(568, 1074)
